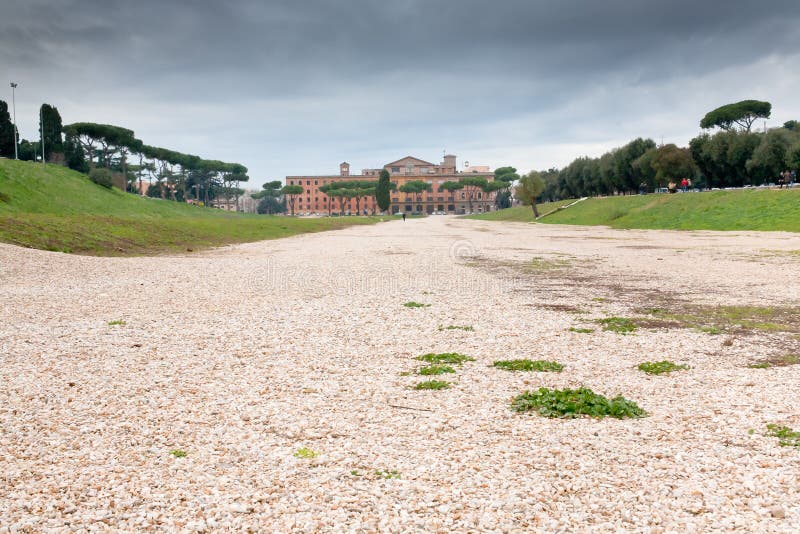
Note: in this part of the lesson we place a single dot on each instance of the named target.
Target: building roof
(409, 159)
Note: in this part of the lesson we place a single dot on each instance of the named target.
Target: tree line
(106, 152)
(734, 156)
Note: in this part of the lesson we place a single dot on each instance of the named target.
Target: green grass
(762, 209)
(620, 325)
(412, 304)
(519, 213)
(456, 327)
(657, 368)
(529, 365)
(568, 403)
(776, 361)
(118, 322)
(436, 370)
(54, 208)
(787, 436)
(445, 357)
(305, 454)
(433, 385)
(718, 319)
(581, 330)
(178, 453)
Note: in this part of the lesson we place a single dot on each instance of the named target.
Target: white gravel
(240, 356)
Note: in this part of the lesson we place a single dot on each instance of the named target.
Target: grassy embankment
(54, 208)
(763, 209)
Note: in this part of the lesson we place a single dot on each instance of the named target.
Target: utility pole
(14, 108)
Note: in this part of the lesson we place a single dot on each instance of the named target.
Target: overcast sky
(297, 86)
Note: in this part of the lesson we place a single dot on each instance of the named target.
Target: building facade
(402, 171)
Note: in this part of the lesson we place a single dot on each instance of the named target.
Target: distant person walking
(404, 216)
(684, 185)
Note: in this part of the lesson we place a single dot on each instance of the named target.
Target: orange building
(404, 170)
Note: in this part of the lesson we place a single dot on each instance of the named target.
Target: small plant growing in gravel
(776, 361)
(456, 327)
(529, 365)
(569, 403)
(355, 473)
(759, 365)
(581, 330)
(118, 322)
(787, 436)
(445, 357)
(387, 474)
(620, 325)
(711, 330)
(178, 453)
(432, 384)
(657, 368)
(412, 304)
(305, 453)
(436, 370)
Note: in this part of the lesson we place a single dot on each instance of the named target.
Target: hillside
(54, 208)
(748, 209)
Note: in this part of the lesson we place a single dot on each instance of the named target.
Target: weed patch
(118, 322)
(581, 330)
(305, 453)
(620, 325)
(456, 327)
(776, 361)
(436, 370)
(387, 474)
(412, 304)
(453, 358)
(177, 453)
(658, 368)
(529, 365)
(787, 436)
(568, 403)
(433, 385)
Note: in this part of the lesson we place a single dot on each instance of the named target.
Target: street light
(14, 107)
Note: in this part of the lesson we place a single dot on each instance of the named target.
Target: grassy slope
(54, 208)
(519, 213)
(766, 210)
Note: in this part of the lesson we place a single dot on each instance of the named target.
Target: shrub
(574, 403)
(657, 368)
(529, 365)
(101, 176)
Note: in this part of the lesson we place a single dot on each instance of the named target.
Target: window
(291, 182)
(308, 182)
(395, 169)
(463, 195)
(315, 182)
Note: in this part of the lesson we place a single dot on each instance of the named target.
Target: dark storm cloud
(421, 69)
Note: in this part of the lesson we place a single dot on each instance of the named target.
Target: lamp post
(14, 108)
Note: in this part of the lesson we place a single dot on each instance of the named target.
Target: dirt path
(244, 355)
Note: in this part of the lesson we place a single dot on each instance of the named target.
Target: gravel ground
(244, 355)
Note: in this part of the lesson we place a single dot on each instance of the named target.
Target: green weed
(456, 327)
(177, 453)
(412, 304)
(581, 330)
(568, 403)
(445, 357)
(657, 368)
(620, 325)
(118, 322)
(529, 365)
(305, 453)
(787, 436)
(436, 370)
(432, 385)
(387, 474)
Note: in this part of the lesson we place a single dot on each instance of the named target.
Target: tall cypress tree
(382, 195)
(51, 129)
(6, 132)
